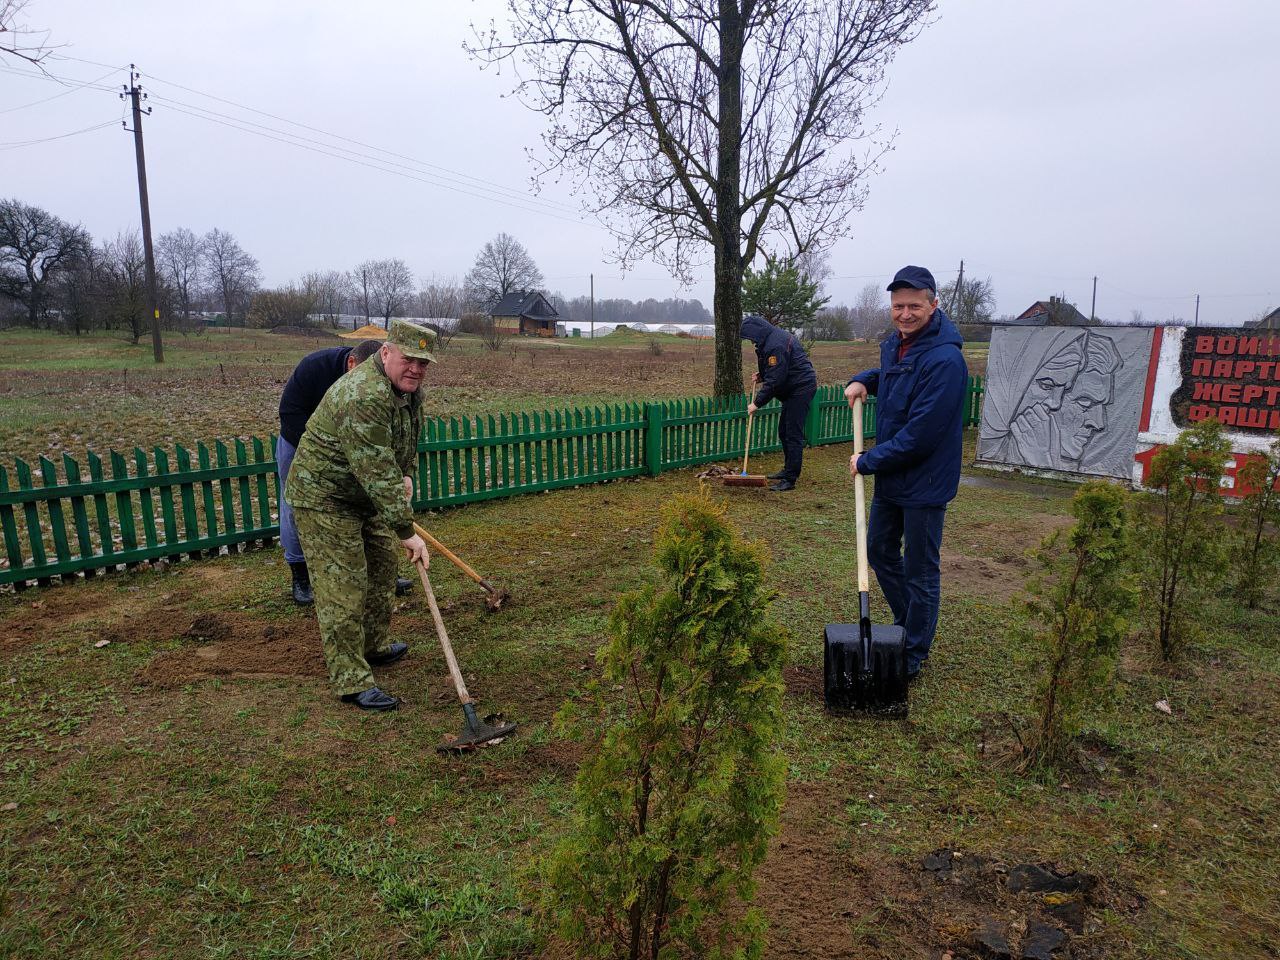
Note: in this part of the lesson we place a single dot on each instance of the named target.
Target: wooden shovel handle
(747, 451)
(454, 672)
(451, 557)
(860, 503)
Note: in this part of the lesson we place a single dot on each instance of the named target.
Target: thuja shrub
(1258, 550)
(1076, 615)
(1181, 555)
(682, 783)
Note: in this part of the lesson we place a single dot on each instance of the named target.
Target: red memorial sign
(1232, 375)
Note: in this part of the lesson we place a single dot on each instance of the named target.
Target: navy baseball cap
(917, 277)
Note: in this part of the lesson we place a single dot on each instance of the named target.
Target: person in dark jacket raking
(311, 379)
(784, 371)
(919, 389)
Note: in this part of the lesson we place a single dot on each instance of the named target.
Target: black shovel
(864, 664)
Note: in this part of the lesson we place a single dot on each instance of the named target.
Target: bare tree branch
(709, 129)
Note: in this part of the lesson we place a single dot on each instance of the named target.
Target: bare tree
(288, 306)
(232, 273)
(707, 126)
(389, 284)
(970, 301)
(832, 323)
(124, 284)
(330, 289)
(19, 40)
(361, 279)
(35, 246)
(502, 266)
(440, 300)
(179, 257)
(870, 314)
(78, 290)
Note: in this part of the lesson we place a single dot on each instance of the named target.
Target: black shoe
(372, 699)
(302, 594)
(389, 655)
(403, 586)
(782, 486)
(780, 475)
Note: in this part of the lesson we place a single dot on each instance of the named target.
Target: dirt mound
(982, 576)
(287, 330)
(948, 903)
(234, 646)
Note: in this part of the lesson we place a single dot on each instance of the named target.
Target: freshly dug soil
(233, 646)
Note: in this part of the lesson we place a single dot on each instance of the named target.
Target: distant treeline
(651, 311)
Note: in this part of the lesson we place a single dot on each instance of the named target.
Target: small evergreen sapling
(1181, 555)
(1077, 613)
(682, 784)
(1258, 552)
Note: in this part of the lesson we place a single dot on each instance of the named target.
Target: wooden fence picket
(460, 460)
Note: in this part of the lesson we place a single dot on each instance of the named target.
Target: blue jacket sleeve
(775, 373)
(869, 379)
(940, 394)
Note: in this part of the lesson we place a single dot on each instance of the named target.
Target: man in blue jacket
(783, 371)
(311, 379)
(919, 389)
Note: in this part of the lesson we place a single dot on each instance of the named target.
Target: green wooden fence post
(9, 525)
(57, 522)
(813, 420)
(80, 516)
(124, 506)
(654, 418)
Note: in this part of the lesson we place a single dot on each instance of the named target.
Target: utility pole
(1093, 307)
(1197, 323)
(134, 92)
(593, 306)
(959, 289)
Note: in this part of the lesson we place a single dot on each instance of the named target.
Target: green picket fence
(151, 506)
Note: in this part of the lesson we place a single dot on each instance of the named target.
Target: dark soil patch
(804, 681)
(980, 576)
(234, 646)
(824, 902)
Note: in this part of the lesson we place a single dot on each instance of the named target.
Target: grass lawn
(63, 394)
(191, 789)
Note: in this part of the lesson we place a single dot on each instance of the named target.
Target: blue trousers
(795, 407)
(288, 529)
(903, 546)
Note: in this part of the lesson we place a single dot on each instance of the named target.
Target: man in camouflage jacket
(349, 486)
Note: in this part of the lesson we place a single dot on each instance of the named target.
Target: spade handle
(860, 503)
(458, 682)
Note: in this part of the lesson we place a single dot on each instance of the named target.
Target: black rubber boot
(403, 586)
(302, 595)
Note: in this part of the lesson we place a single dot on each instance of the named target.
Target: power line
(365, 163)
(80, 86)
(480, 181)
(62, 136)
(64, 81)
(94, 63)
(301, 140)
(506, 196)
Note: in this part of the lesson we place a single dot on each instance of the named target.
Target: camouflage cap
(412, 340)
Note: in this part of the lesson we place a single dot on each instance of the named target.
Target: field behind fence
(132, 509)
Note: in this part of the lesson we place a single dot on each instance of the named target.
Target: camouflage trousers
(352, 564)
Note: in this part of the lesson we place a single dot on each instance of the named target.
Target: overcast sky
(1042, 142)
